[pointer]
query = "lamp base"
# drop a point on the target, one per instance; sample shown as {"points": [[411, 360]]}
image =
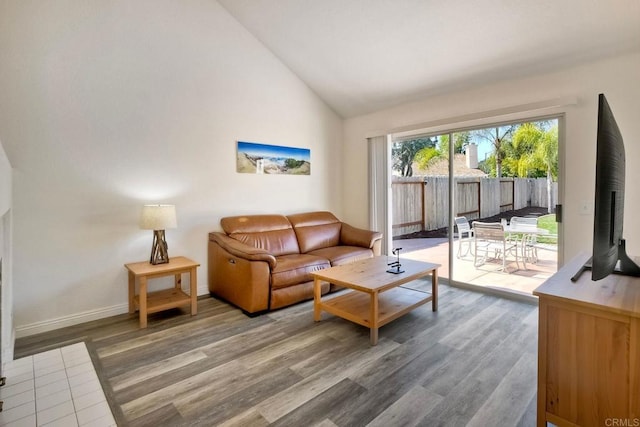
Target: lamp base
{"points": [[159, 253]]}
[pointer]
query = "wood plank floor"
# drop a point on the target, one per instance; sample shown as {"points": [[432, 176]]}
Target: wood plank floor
{"points": [[472, 363]]}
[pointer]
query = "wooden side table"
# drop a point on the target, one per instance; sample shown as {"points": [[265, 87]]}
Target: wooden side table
{"points": [[151, 302]]}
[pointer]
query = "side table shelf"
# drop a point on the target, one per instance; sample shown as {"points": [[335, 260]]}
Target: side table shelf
{"points": [[151, 302], [164, 300]]}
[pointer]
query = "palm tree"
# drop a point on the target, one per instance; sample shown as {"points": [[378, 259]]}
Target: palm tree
{"points": [[497, 137], [428, 155], [522, 160], [535, 148], [547, 152]]}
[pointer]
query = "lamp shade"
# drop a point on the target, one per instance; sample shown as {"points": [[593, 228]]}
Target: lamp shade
{"points": [[158, 217]]}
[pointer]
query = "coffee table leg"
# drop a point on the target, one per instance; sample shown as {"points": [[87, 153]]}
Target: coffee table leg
{"points": [[316, 299], [373, 316], [434, 289]]}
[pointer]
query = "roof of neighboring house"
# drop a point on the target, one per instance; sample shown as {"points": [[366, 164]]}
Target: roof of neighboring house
{"points": [[440, 167]]}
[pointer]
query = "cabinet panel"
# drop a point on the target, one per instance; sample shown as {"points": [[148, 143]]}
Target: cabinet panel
{"points": [[588, 366]]}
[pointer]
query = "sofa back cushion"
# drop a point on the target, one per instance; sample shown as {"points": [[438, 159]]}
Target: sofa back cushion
{"points": [[316, 230], [272, 233]]}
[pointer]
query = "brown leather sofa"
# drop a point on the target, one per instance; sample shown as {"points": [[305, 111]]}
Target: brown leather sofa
{"points": [[264, 262]]}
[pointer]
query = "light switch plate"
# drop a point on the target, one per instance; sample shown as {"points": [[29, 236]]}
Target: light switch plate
{"points": [[586, 207]]}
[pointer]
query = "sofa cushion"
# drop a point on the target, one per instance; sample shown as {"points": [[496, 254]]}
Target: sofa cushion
{"points": [[316, 230], [339, 255], [272, 233], [295, 269]]}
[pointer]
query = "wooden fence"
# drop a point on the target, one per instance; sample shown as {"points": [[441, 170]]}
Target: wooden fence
{"points": [[422, 203]]}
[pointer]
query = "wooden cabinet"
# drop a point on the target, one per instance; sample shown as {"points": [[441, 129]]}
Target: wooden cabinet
{"points": [[589, 349]]}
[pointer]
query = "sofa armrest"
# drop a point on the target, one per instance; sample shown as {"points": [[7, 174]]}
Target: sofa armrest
{"points": [[237, 280], [352, 236], [242, 250]]}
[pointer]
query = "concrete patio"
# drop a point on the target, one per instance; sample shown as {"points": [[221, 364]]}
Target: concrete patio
{"points": [[521, 280]]}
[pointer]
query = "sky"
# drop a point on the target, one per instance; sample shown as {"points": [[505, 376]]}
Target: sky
{"points": [[484, 148]]}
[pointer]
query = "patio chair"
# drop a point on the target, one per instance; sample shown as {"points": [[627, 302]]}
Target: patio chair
{"points": [[490, 236], [465, 234], [529, 241]]}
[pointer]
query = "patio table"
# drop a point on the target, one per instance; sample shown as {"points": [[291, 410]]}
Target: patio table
{"points": [[527, 232]]}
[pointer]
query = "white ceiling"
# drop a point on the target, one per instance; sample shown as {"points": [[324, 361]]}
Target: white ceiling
{"points": [[365, 55]]}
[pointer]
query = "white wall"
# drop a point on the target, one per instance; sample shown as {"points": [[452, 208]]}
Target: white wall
{"points": [[6, 252], [109, 105], [616, 77]]}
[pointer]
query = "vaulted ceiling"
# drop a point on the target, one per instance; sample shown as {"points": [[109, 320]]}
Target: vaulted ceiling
{"points": [[361, 56]]}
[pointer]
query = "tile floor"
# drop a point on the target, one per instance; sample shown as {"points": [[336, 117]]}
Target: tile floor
{"points": [[56, 388]]}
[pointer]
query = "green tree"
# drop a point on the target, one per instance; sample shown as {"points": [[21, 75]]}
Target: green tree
{"points": [[293, 163], [441, 150], [403, 153], [535, 153], [520, 158], [460, 141], [498, 137], [427, 155], [547, 152], [488, 165]]}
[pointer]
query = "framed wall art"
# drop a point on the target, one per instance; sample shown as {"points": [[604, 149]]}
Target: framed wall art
{"points": [[272, 159]]}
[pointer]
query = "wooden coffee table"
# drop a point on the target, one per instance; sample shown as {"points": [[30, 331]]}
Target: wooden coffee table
{"points": [[376, 297]]}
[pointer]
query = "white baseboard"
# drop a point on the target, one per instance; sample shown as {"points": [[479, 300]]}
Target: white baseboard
{"points": [[75, 319], [203, 290]]}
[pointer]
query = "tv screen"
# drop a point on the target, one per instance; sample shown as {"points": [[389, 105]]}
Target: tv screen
{"points": [[609, 252]]}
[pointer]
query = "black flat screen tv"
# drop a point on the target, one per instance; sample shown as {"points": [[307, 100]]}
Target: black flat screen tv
{"points": [[609, 251]]}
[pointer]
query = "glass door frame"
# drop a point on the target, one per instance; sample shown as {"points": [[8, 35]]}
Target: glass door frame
{"points": [[489, 123]]}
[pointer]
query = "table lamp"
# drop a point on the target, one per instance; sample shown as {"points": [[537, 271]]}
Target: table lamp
{"points": [[158, 218]]}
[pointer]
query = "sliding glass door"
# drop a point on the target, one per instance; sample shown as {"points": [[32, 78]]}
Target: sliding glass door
{"points": [[447, 184], [420, 199]]}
